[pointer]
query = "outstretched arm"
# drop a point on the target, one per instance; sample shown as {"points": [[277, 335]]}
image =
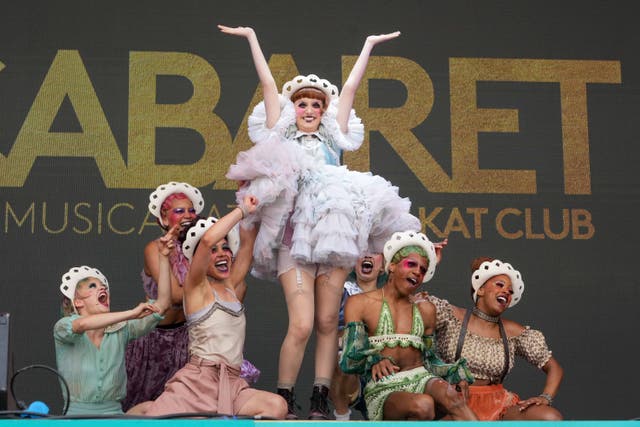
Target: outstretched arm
{"points": [[269, 88], [243, 259], [102, 320], [202, 256], [152, 268], [345, 102]]}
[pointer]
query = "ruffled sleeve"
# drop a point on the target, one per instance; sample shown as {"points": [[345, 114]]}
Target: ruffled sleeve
{"points": [[532, 346], [257, 122], [444, 313], [357, 355], [350, 141]]}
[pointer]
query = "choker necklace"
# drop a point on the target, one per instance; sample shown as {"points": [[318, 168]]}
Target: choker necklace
{"points": [[485, 316]]}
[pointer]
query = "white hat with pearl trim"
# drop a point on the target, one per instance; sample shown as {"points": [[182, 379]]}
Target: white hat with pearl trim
{"points": [[71, 278], [165, 190], [402, 239], [488, 269], [299, 82], [195, 233]]}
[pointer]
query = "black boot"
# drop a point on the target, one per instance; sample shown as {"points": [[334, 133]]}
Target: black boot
{"points": [[319, 408], [291, 402]]}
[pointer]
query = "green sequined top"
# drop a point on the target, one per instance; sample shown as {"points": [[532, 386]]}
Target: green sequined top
{"points": [[361, 351]]}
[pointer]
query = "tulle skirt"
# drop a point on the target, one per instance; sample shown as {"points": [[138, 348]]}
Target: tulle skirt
{"points": [[337, 215]]}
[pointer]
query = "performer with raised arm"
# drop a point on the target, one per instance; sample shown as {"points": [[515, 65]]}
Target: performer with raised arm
{"points": [[210, 382], [317, 217], [91, 340], [154, 358]]}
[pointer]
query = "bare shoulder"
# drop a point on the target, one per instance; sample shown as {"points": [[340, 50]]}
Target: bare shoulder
{"points": [[426, 308], [429, 317], [512, 328], [360, 305], [151, 253], [359, 300], [151, 247]]}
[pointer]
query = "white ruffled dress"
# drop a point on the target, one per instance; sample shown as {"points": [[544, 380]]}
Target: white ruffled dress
{"points": [[335, 215]]}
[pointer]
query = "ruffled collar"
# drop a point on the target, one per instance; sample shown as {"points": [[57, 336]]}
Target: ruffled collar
{"points": [[317, 134]]}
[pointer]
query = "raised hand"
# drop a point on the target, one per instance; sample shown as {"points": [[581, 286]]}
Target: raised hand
{"points": [[348, 93], [167, 242], [268, 83], [379, 38], [249, 204], [439, 246], [237, 31]]}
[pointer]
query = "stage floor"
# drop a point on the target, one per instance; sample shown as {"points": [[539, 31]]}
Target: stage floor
{"points": [[174, 422]]}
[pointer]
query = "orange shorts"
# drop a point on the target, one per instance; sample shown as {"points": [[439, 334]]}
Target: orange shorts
{"points": [[490, 402]]}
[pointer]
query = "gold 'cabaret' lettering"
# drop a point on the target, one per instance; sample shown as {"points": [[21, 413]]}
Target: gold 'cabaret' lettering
{"points": [[467, 120], [67, 78]]}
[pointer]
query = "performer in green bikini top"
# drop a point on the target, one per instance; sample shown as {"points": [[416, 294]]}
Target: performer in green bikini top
{"points": [[398, 358]]}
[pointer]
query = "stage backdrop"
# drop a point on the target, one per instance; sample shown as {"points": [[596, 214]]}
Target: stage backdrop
{"points": [[512, 126]]}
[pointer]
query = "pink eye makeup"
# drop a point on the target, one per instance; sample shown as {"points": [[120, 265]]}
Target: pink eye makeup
{"points": [[180, 211], [411, 264]]}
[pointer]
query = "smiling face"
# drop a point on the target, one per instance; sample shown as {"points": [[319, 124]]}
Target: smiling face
{"points": [[91, 297], [408, 273], [221, 261], [177, 209], [495, 295], [308, 113]]}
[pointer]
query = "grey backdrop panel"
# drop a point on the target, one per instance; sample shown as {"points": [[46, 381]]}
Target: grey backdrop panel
{"points": [[581, 288]]}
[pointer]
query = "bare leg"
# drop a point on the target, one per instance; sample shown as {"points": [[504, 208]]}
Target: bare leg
{"points": [[140, 408], [402, 405], [544, 413], [265, 404], [298, 291], [450, 400], [329, 288], [343, 387]]}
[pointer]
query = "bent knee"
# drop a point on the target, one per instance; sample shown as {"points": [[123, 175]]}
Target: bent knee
{"points": [[422, 407], [551, 414], [277, 407]]}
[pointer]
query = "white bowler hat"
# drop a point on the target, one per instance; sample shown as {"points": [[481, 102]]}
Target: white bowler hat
{"points": [[195, 233], [402, 239]]}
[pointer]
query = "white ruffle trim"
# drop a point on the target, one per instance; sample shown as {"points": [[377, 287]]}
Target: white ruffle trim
{"points": [[258, 131], [350, 141], [337, 214]]}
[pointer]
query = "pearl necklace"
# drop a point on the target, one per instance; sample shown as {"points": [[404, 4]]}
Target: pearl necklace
{"points": [[485, 316]]}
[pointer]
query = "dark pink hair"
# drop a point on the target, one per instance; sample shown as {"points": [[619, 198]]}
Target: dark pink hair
{"points": [[166, 205]]}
